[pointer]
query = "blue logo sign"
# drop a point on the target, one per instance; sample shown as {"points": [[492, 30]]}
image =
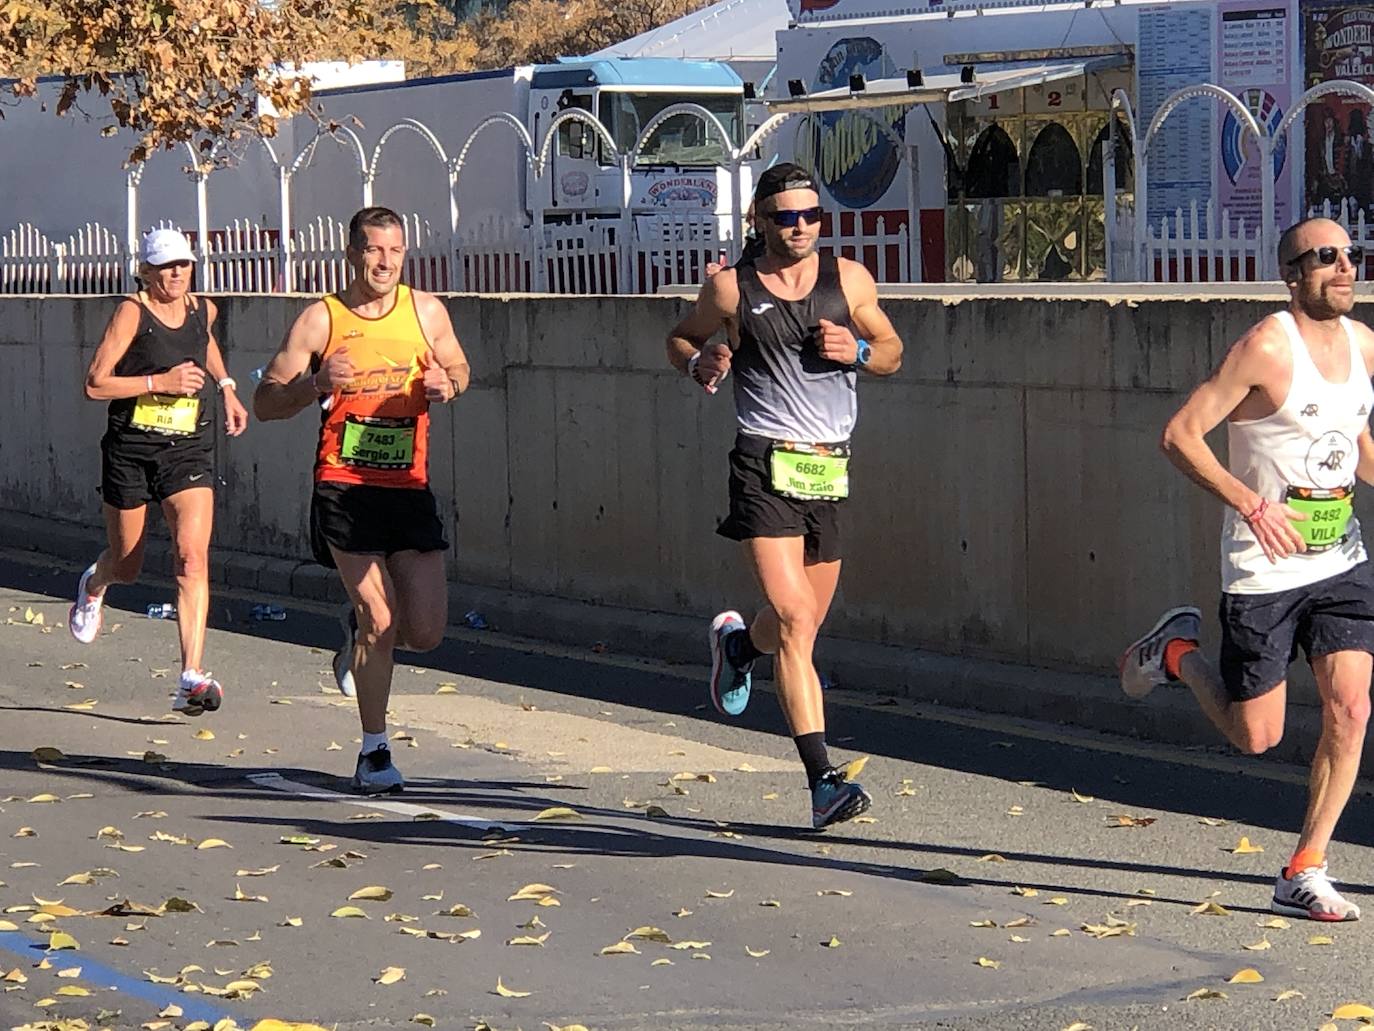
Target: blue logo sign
{"points": [[852, 156], [1268, 114]]}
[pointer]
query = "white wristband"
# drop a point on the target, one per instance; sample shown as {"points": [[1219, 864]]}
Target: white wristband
{"points": [[149, 380], [228, 382], [692, 365]]}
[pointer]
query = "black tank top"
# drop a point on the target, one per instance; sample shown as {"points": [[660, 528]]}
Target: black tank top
{"points": [[784, 389], [156, 348]]}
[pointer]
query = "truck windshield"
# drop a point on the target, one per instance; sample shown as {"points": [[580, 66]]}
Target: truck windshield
{"points": [[681, 140]]}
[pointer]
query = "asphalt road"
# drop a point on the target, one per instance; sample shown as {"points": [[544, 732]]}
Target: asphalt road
{"points": [[993, 885]]}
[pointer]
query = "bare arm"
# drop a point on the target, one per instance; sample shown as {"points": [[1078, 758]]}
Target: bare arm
{"points": [[287, 386], [690, 339], [443, 344], [1365, 469], [885, 347], [101, 382], [1259, 357]]}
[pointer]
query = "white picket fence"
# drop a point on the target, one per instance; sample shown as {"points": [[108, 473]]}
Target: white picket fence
{"points": [[581, 256], [1193, 246]]}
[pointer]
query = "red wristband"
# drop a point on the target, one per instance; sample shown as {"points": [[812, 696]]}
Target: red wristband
{"points": [[1259, 510]]}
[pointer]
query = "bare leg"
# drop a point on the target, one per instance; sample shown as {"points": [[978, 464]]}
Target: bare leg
{"points": [[1253, 726], [421, 598], [1343, 686], [370, 586], [798, 600], [190, 515], [122, 559]]}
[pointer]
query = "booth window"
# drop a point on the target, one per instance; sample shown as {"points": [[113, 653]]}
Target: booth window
{"points": [[1054, 167], [993, 169], [1125, 167]]}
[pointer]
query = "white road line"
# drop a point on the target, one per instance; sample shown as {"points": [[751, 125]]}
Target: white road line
{"points": [[277, 782]]}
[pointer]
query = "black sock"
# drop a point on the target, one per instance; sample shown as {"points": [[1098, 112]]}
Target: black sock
{"points": [[811, 748], [739, 648]]}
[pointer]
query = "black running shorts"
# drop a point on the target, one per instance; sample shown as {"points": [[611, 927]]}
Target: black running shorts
{"points": [[365, 520], [756, 511], [135, 472], [1261, 633]]}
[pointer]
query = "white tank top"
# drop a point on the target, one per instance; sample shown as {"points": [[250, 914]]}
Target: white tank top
{"points": [[1305, 455]]}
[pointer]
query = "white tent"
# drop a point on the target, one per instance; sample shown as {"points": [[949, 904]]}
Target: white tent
{"points": [[740, 33]]}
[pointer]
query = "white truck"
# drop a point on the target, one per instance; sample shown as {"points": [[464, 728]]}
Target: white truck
{"points": [[681, 168]]}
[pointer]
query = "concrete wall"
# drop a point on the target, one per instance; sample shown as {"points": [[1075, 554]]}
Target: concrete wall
{"points": [[1012, 510]]}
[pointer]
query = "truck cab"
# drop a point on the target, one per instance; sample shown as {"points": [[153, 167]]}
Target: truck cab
{"points": [[682, 168]]}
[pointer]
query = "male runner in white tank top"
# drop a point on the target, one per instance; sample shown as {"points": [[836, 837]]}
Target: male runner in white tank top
{"points": [[1295, 395]]}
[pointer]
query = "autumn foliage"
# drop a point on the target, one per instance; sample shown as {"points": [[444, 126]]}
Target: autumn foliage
{"points": [[194, 70]]}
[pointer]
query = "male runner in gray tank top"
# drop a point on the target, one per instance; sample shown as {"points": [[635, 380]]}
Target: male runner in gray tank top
{"points": [[799, 327], [1295, 395]]}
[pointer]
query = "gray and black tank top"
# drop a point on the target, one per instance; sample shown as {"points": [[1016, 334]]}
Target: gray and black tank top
{"points": [[157, 347], [784, 389]]}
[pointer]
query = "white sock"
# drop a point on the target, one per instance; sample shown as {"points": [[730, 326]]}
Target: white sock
{"points": [[372, 742]]}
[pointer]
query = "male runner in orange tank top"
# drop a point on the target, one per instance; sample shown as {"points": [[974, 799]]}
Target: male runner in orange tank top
{"points": [[374, 357]]}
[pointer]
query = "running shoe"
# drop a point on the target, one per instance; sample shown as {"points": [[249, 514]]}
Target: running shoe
{"points": [[834, 799], [343, 658], [1142, 664], [729, 685], [1309, 894], [376, 775], [87, 613], [197, 693]]}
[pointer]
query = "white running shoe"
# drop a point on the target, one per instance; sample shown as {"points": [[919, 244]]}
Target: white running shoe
{"points": [[1309, 894], [1142, 664], [197, 693], [376, 775], [87, 614], [343, 658]]}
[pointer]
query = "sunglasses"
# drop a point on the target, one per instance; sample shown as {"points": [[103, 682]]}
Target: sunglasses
{"points": [[1329, 254], [787, 218]]}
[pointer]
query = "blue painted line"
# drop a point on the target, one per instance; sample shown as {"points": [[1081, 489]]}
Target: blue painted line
{"points": [[98, 975]]}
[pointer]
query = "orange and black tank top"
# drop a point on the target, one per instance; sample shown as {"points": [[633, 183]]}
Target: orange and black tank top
{"points": [[375, 430]]}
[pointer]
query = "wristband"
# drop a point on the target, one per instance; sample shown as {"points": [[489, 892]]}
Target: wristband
{"points": [[228, 382], [692, 365], [1259, 511], [149, 380], [863, 351]]}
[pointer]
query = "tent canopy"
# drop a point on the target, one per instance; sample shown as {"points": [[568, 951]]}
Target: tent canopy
{"points": [[732, 30]]}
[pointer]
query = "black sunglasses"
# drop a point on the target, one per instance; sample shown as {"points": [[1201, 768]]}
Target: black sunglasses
{"points": [[1328, 255], [789, 217]]}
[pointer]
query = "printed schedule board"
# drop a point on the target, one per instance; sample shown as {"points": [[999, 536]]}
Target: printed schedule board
{"points": [[1254, 47], [1176, 50]]}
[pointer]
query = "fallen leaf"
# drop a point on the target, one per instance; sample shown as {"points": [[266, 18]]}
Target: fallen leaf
{"points": [[239, 896], [390, 975], [1352, 1011], [1291, 993], [1058, 900], [349, 911], [204, 734], [621, 948], [213, 843], [1204, 993], [1259, 946], [1248, 975], [720, 894], [258, 873], [1126, 820], [372, 893], [1244, 848], [528, 939], [558, 812], [1209, 908], [992, 964], [854, 767], [1277, 923], [833, 943], [40, 799], [1085, 799], [1028, 893], [72, 990], [661, 963], [835, 891], [422, 1018], [992, 857], [533, 893], [1321, 939], [62, 940], [651, 934], [982, 923], [508, 993], [82, 706]]}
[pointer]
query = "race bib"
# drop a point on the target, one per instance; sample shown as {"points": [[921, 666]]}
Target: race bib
{"points": [[376, 443], [1328, 515], [810, 472], [169, 414]]}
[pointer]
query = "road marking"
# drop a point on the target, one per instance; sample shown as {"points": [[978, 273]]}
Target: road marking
{"points": [[93, 973], [276, 782]]}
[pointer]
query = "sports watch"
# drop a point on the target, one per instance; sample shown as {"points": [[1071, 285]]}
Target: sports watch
{"points": [[864, 351]]}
